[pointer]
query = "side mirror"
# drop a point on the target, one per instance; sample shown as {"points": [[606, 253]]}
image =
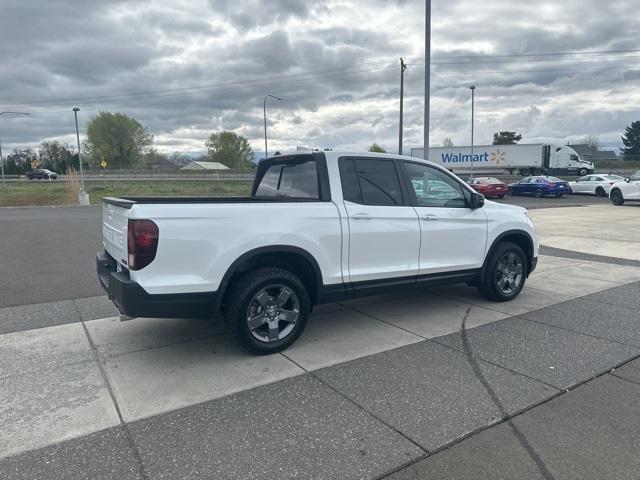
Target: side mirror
{"points": [[477, 200]]}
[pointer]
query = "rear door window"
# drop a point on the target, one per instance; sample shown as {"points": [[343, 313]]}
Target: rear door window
{"points": [[370, 181]]}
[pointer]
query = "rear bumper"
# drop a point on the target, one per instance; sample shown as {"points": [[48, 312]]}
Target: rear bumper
{"points": [[132, 300]]}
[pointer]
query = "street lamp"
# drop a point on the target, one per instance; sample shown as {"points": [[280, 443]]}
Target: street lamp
{"points": [[264, 110], [1, 159], [83, 198], [427, 76], [473, 90]]}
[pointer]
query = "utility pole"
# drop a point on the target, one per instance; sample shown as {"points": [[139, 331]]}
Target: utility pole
{"points": [[403, 67], [473, 90], [427, 75], [83, 198], [2, 165]]}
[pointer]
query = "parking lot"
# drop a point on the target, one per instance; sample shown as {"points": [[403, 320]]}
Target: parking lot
{"points": [[435, 383]]}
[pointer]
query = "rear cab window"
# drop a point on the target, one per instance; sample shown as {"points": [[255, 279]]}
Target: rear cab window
{"points": [[295, 177]]}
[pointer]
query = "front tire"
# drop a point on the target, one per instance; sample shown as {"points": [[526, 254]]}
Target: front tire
{"points": [[582, 172], [505, 273], [267, 309], [616, 197]]}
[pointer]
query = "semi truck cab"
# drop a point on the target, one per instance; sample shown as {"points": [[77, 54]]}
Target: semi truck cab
{"points": [[564, 159]]}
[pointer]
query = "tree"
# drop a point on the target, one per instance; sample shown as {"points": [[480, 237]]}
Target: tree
{"points": [[592, 142], [377, 148], [116, 138], [447, 142], [506, 138], [230, 149], [21, 161], [631, 141], [157, 161], [55, 156]]}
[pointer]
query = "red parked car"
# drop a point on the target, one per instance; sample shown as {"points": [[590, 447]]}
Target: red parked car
{"points": [[489, 186]]}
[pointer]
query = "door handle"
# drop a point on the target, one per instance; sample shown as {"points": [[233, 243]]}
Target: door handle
{"points": [[429, 218], [361, 216]]}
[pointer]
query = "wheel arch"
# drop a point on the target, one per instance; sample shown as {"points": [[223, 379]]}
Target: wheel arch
{"points": [[294, 259], [520, 238]]}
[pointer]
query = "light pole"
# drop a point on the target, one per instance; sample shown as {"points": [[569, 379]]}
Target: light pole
{"points": [[1, 158], [403, 67], [264, 111], [427, 75], [83, 198], [473, 90]]}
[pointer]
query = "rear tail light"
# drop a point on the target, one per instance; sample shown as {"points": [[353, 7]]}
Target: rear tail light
{"points": [[611, 183], [142, 243], [552, 184]]}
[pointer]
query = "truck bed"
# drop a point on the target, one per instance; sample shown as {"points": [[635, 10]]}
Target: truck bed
{"points": [[128, 202]]}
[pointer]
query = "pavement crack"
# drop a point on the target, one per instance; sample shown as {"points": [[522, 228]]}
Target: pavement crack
{"points": [[623, 378], [576, 331], [125, 425], [373, 415], [522, 439], [387, 323], [353, 402]]}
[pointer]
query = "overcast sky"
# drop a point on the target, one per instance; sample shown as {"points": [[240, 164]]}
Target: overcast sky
{"points": [[186, 68]]}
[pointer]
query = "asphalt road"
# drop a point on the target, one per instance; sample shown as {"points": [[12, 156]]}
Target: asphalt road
{"points": [[48, 253]]}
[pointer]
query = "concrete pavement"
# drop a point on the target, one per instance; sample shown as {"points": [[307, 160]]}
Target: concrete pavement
{"points": [[595, 229], [371, 386]]}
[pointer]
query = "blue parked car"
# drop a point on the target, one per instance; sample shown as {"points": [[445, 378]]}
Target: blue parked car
{"points": [[540, 186]]}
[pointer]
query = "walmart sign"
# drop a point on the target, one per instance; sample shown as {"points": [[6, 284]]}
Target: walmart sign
{"points": [[462, 157]]}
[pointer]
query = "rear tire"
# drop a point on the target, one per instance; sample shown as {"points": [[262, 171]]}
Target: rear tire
{"points": [[539, 193], [267, 309], [500, 196], [558, 195], [616, 197], [600, 192], [505, 273]]}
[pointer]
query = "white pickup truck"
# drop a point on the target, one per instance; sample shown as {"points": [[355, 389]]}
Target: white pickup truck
{"points": [[318, 227]]}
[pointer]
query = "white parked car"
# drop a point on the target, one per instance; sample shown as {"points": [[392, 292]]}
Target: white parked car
{"points": [[596, 184], [318, 227], [628, 190]]}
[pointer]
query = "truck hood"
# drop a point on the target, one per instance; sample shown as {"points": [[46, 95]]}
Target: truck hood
{"points": [[495, 206]]}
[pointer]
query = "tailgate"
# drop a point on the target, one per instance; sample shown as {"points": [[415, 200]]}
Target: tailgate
{"points": [[115, 220]]}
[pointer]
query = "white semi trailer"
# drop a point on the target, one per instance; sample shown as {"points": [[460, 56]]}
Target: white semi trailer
{"points": [[524, 159]]}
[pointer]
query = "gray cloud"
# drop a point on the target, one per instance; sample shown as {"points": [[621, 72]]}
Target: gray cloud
{"points": [[188, 67]]}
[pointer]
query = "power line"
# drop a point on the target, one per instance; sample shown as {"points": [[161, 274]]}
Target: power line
{"points": [[226, 86], [321, 74], [535, 54]]}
